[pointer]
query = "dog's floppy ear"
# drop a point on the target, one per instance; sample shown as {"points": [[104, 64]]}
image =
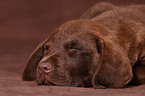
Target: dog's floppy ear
{"points": [[29, 72], [100, 49], [114, 69]]}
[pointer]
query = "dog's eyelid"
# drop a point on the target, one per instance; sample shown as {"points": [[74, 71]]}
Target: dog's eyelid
{"points": [[74, 48], [77, 48], [46, 47], [45, 52]]}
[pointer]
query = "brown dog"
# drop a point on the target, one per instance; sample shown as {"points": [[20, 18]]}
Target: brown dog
{"points": [[105, 48]]}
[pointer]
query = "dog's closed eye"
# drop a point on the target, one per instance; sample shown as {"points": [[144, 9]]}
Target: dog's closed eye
{"points": [[70, 48], [73, 46], [45, 48]]}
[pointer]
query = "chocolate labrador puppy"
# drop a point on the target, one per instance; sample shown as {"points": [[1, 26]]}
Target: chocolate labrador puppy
{"points": [[103, 49]]}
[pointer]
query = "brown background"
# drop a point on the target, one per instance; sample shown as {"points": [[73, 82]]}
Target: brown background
{"points": [[23, 24]]}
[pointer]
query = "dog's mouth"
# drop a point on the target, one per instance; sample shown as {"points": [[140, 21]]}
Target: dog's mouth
{"points": [[44, 80]]}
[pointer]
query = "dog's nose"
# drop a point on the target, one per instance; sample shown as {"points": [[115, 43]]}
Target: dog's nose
{"points": [[45, 67]]}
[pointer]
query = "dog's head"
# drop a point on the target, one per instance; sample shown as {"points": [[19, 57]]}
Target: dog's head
{"points": [[70, 56]]}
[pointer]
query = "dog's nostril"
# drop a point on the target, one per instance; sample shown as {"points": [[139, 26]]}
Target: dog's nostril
{"points": [[45, 67]]}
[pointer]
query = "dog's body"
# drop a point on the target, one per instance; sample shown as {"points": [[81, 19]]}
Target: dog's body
{"points": [[106, 48]]}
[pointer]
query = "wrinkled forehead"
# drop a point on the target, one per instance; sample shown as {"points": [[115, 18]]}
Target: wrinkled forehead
{"points": [[71, 30], [65, 38]]}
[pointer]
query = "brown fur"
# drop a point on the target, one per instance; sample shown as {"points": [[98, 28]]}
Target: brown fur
{"points": [[105, 48]]}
